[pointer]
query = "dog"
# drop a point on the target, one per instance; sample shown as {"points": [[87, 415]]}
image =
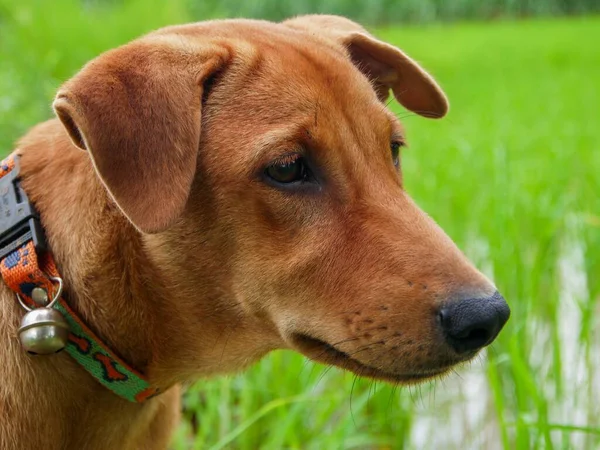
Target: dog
{"points": [[211, 192]]}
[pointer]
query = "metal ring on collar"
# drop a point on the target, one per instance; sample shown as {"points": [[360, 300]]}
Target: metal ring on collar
{"points": [[54, 300]]}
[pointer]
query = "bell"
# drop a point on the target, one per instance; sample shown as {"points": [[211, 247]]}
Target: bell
{"points": [[43, 331]]}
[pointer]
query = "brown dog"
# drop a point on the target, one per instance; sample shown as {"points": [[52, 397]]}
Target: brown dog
{"points": [[239, 192]]}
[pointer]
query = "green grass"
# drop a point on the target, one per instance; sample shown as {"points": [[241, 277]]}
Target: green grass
{"points": [[511, 174], [394, 11]]}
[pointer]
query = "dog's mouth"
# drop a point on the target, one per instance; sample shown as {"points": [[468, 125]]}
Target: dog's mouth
{"points": [[321, 351]]}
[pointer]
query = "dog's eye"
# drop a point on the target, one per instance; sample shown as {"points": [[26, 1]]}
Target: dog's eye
{"points": [[395, 148], [287, 170]]}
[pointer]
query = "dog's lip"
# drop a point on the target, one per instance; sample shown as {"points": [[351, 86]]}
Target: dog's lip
{"points": [[323, 352]]}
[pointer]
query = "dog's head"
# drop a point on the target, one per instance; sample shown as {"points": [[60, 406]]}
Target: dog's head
{"points": [[263, 168]]}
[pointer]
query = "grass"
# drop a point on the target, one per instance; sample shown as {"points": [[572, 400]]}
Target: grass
{"points": [[392, 11], [510, 174]]}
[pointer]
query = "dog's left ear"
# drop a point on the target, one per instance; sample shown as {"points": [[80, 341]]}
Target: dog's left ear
{"points": [[137, 111], [385, 65]]}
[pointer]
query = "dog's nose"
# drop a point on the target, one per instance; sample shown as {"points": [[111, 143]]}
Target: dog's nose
{"points": [[473, 323]]}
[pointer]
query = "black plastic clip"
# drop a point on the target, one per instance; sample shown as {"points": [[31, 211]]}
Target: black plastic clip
{"points": [[19, 221]]}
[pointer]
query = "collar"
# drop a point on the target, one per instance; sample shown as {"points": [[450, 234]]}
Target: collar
{"points": [[28, 269]]}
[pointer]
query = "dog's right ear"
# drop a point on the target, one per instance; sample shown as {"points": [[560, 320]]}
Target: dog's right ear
{"points": [[137, 110], [386, 66]]}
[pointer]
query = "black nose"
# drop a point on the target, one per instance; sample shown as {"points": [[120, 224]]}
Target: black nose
{"points": [[473, 323]]}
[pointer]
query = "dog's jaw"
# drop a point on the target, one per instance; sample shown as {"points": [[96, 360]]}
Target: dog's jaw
{"points": [[325, 353]]}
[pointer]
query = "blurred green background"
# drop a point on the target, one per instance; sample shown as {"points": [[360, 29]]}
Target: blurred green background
{"points": [[510, 174]]}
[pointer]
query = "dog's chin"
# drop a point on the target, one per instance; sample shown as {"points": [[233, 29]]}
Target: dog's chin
{"points": [[322, 352]]}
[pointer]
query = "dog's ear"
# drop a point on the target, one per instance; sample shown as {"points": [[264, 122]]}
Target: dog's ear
{"points": [[386, 66], [136, 110]]}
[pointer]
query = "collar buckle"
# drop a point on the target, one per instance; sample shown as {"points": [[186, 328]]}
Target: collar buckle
{"points": [[19, 221]]}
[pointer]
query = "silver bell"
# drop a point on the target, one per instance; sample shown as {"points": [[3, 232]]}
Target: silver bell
{"points": [[43, 331]]}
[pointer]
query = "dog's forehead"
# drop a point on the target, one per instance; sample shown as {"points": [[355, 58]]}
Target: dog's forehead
{"points": [[293, 82], [326, 91], [298, 73], [267, 51]]}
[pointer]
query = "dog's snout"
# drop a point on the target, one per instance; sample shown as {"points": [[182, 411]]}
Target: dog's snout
{"points": [[473, 323]]}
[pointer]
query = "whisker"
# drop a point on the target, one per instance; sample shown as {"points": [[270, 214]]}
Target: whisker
{"points": [[351, 393], [405, 115], [229, 334], [392, 395], [323, 373]]}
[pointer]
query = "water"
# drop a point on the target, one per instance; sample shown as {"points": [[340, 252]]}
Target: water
{"points": [[459, 413]]}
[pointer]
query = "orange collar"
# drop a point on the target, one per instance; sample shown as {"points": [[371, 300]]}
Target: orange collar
{"points": [[27, 268]]}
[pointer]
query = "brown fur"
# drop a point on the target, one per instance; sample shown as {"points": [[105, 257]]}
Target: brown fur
{"points": [[175, 251]]}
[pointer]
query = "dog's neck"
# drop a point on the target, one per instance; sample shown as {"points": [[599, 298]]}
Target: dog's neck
{"points": [[99, 254], [130, 288]]}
